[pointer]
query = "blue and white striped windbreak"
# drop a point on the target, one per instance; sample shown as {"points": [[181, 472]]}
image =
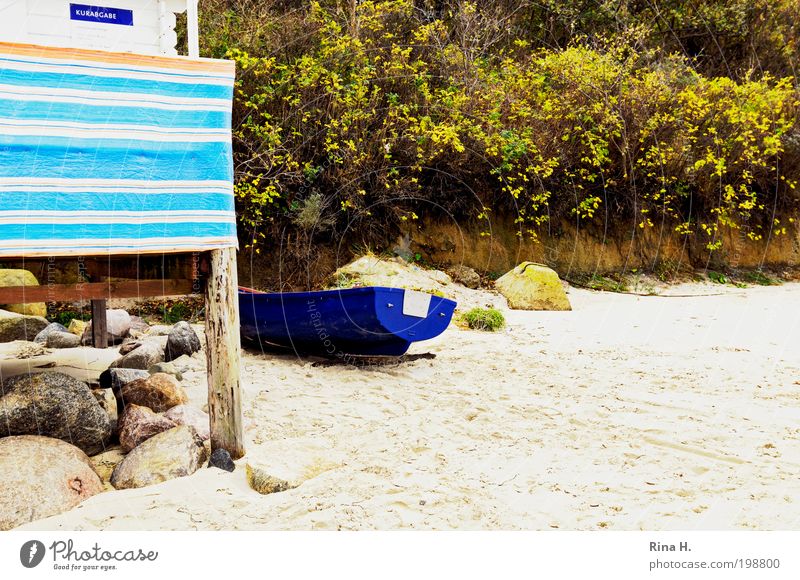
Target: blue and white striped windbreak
{"points": [[104, 153]]}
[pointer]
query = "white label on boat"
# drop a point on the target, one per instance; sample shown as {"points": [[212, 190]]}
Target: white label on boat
{"points": [[416, 303]]}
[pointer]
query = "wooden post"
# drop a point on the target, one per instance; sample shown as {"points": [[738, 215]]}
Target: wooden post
{"points": [[223, 353], [192, 33], [99, 324]]}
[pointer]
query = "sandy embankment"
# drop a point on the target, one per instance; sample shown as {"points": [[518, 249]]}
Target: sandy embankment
{"points": [[627, 413]]}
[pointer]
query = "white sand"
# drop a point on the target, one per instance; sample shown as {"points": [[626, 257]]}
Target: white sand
{"points": [[628, 413]]}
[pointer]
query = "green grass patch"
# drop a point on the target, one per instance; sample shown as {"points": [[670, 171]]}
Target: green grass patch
{"points": [[760, 278], [489, 319], [611, 283]]}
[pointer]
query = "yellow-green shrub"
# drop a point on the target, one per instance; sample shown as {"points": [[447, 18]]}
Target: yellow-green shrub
{"points": [[391, 118]]}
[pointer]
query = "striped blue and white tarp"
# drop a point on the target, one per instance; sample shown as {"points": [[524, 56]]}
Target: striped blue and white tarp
{"points": [[104, 153]]}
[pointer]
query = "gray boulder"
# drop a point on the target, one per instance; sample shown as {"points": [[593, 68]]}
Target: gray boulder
{"points": [[129, 345], [19, 327], [58, 339], [141, 358], [188, 415], [177, 452], [167, 368], [41, 338], [118, 325], [159, 330], [182, 340], [42, 477], [137, 424], [54, 405], [139, 327], [115, 379]]}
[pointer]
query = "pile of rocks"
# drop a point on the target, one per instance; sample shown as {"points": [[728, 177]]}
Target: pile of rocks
{"points": [[138, 425], [158, 345]]}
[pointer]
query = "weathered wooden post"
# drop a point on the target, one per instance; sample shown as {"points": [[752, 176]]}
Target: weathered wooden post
{"points": [[99, 324], [223, 353]]}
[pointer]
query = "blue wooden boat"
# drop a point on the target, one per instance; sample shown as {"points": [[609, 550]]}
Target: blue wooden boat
{"points": [[370, 321]]}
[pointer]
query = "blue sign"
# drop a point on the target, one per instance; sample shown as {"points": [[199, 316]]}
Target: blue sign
{"points": [[101, 14]]}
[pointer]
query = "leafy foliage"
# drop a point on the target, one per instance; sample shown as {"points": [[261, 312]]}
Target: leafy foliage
{"points": [[365, 116]]}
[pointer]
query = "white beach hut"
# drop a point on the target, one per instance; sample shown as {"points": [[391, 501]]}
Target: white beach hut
{"points": [[115, 152]]}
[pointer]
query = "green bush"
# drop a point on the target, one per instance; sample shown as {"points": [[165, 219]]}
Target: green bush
{"points": [[489, 319], [367, 116]]}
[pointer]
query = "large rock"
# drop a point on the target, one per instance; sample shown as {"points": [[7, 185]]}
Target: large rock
{"points": [[159, 330], [139, 327], [137, 424], [142, 357], [177, 452], [465, 276], [42, 477], [188, 415], [54, 405], [106, 399], [129, 345], [15, 326], [41, 338], [77, 326], [21, 278], [532, 286], [374, 271], [159, 392], [168, 368], [62, 340], [182, 339], [118, 325], [115, 379]]}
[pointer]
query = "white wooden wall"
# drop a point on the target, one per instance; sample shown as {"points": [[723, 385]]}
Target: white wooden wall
{"points": [[47, 22]]}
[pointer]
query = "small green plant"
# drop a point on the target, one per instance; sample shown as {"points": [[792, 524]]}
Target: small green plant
{"points": [[489, 319], [310, 214], [176, 313], [758, 277], [343, 281], [667, 270], [717, 277]]}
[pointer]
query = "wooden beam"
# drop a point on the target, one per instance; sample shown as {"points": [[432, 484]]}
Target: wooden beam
{"points": [[95, 291], [60, 270], [99, 324], [223, 352]]}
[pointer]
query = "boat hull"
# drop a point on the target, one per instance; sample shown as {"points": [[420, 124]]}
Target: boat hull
{"points": [[372, 321]]}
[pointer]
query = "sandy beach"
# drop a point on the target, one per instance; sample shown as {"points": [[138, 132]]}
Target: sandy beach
{"points": [[628, 413]]}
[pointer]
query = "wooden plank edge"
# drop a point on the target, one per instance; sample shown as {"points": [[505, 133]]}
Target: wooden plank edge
{"points": [[97, 291]]}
